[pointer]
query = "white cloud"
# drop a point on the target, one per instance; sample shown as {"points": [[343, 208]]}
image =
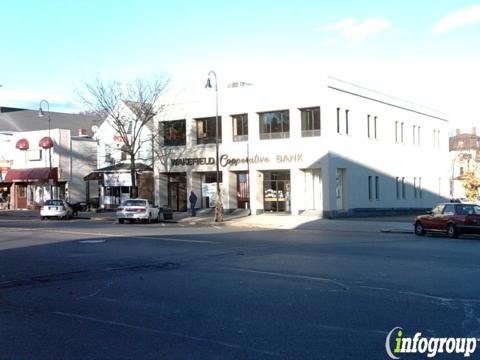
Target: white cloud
{"points": [[355, 31], [467, 16]]}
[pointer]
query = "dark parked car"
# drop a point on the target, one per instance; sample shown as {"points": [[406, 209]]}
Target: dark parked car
{"points": [[450, 218], [79, 206]]}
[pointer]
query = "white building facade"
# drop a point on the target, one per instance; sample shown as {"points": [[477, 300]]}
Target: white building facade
{"points": [[113, 173], [38, 173], [329, 147]]}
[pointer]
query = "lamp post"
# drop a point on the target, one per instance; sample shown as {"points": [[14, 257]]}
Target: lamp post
{"points": [[42, 114], [218, 199]]}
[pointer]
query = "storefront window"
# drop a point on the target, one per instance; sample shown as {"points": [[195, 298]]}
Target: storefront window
{"points": [[206, 130], [275, 125], [276, 187]]}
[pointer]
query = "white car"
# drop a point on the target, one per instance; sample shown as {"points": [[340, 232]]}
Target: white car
{"points": [[56, 208], [137, 209]]}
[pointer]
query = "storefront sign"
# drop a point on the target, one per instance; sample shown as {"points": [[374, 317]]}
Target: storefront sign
{"points": [[226, 160], [193, 161], [117, 179]]}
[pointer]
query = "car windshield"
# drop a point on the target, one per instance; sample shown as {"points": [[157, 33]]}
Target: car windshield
{"points": [[54, 202], [134, 203]]}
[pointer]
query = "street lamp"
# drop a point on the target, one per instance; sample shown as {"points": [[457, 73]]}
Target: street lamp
{"points": [[218, 200], [42, 114]]}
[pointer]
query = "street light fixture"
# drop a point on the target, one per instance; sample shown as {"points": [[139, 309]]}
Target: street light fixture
{"points": [[42, 114], [218, 199]]}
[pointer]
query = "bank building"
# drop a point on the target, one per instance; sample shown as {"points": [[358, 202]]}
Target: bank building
{"points": [[328, 147]]}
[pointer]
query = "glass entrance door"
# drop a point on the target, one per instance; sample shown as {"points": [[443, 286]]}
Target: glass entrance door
{"points": [[276, 191], [177, 192]]}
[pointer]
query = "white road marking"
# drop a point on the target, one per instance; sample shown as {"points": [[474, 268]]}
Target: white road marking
{"points": [[164, 332], [96, 292], [290, 276], [99, 234]]}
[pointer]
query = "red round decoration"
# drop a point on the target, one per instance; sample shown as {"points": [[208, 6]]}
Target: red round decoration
{"points": [[46, 142], [22, 144]]}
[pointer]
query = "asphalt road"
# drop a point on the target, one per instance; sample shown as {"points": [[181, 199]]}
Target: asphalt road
{"points": [[85, 289]]}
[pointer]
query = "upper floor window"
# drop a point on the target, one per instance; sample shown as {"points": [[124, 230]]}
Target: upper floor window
{"points": [[123, 155], [173, 132], [371, 126], [310, 121], [240, 127], [399, 131], [275, 125], [206, 130], [346, 129]]}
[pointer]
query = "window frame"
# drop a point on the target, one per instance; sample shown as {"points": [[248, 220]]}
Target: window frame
{"points": [[308, 125], [244, 127], [207, 123], [283, 122], [174, 142]]}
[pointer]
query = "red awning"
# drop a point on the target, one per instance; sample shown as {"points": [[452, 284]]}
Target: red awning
{"points": [[22, 144], [31, 175], [46, 142]]}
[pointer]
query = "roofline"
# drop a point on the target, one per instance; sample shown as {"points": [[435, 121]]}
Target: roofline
{"points": [[387, 103]]}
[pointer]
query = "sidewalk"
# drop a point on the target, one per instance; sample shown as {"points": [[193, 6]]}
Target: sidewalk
{"points": [[241, 218], [375, 224], [389, 224]]}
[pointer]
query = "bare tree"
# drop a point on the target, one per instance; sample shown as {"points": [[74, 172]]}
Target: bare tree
{"points": [[141, 98]]}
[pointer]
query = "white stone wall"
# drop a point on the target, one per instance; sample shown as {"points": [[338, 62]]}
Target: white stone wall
{"points": [[359, 156]]}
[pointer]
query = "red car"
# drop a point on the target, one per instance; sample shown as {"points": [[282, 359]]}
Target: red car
{"points": [[450, 218]]}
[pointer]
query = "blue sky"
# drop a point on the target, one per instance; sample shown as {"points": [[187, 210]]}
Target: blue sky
{"points": [[425, 51]]}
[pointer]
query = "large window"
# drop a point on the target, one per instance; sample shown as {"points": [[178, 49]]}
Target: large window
{"points": [[206, 130], [173, 133], [275, 125], [310, 121], [240, 127]]}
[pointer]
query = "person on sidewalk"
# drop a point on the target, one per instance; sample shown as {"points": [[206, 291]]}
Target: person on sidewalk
{"points": [[193, 201]]}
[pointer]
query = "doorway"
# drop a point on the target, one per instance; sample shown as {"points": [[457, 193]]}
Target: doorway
{"points": [[21, 196], [313, 189], [276, 191], [340, 188], [243, 190], [177, 192]]}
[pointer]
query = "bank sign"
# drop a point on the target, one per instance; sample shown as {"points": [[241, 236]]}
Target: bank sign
{"points": [[226, 160]]}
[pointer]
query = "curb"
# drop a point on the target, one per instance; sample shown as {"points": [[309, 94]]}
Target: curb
{"points": [[396, 231]]}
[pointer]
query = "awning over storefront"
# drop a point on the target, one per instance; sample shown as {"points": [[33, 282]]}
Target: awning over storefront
{"points": [[31, 175], [117, 168], [22, 144]]}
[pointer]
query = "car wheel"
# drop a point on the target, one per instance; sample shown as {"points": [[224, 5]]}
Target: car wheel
{"points": [[451, 231], [419, 230], [120, 221], [42, 218]]}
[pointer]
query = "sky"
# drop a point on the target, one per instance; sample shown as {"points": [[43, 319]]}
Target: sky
{"points": [[427, 52]]}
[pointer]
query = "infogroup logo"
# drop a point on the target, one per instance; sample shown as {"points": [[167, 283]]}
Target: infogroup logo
{"points": [[396, 344]]}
